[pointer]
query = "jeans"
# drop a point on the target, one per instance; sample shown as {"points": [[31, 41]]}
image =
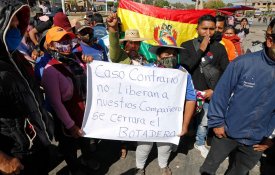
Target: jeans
{"points": [[144, 148], [202, 125], [242, 158]]}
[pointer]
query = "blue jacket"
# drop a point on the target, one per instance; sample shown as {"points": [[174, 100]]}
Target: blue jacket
{"points": [[243, 101]]}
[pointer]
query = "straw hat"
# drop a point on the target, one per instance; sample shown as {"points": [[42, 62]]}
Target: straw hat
{"points": [[166, 41], [132, 35]]}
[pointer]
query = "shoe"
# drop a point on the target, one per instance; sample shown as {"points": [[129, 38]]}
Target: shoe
{"points": [[91, 164], [166, 171], [204, 151], [140, 172]]}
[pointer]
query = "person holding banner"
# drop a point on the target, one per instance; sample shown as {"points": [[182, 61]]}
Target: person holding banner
{"points": [[64, 81], [167, 54], [131, 44], [167, 57]]}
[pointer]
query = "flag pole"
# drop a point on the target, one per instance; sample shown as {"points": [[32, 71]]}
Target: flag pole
{"points": [[63, 5], [106, 7]]}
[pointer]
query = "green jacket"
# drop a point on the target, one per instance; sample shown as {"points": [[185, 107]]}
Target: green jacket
{"points": [[117, 54]]}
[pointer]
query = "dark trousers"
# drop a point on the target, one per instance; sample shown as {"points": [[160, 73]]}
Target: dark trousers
{"points": [[242, 158], [68, 146], [36, 163]]}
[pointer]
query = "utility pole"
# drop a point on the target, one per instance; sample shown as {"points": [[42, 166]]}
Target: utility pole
{"points": [[199, 4]]}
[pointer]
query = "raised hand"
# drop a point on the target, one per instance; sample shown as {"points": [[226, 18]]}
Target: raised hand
{"points": [[112, 22]]}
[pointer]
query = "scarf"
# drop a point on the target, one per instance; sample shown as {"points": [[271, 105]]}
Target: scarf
{"points": [[237, 43], [233, 38], [79, 76]]}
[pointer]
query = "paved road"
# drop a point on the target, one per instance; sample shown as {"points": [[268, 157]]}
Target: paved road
{"points": [[186, 160], [257, 32]]}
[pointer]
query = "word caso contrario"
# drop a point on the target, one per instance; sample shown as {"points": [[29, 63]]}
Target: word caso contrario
{"points": [[135, 74]]}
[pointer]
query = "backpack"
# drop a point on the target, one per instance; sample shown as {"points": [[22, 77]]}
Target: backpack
{"points": [[210, 72]]}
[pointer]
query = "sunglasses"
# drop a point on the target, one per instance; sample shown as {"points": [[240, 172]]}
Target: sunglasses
{"points": [[63, 46]]}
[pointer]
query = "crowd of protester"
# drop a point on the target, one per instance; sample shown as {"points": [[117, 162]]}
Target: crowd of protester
{"points": [[229, 94]]}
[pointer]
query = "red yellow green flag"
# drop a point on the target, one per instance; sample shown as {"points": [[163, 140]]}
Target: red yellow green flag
{"points": [[154, 22]]}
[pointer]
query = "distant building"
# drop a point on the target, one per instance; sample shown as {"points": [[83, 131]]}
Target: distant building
{"points": [[264, 5], [242, 2], [261, 5]]}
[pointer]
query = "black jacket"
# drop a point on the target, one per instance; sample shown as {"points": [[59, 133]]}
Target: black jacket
{"points": [[20, 98], [190, 59]]}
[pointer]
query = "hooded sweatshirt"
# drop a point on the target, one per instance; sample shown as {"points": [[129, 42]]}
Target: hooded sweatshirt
{"points": [[24, 124], [237, 43]]}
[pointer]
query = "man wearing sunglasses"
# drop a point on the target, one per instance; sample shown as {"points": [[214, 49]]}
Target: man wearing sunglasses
{"points": [[241, 111]]}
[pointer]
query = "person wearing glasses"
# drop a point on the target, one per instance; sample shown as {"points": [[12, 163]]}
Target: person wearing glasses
{"points": [[241, 111], [200, 53]]}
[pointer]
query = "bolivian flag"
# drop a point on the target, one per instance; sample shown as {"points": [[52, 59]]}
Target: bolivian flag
{"points": [[154, 22]]}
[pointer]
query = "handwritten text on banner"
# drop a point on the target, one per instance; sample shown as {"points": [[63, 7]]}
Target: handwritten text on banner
{"points": [[135, 103]]}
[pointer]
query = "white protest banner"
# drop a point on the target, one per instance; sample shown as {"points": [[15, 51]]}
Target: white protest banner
{"points": [[134, 103]]}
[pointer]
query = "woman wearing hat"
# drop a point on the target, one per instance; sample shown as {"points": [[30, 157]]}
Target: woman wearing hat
{"points": [[131, 44], [64, 81], [167, 54]]}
